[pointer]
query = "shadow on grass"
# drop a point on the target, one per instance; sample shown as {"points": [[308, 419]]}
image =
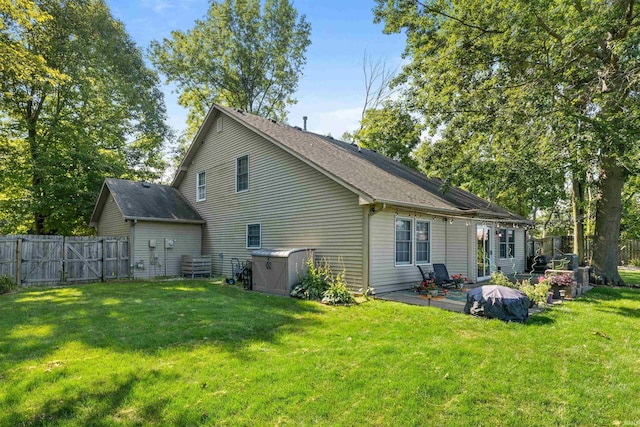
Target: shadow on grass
{"points": [[539, 319], [144, 316], [97, 406]]}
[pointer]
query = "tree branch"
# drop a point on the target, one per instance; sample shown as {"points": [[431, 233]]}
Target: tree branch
{"points": [[458, 20]]}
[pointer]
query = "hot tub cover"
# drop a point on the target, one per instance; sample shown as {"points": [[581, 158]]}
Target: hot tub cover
{"points": [[498, 302]]}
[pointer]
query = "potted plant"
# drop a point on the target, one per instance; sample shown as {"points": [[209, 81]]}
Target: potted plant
{"points": [[560, 282], [459, 280], [427, 287]]}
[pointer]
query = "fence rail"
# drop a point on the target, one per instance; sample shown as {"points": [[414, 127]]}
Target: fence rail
{"points": [[51, 260]]}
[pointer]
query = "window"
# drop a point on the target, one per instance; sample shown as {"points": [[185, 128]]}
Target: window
{"points": [[242, 174], [254, 236], [403, 241], [507, 243], [201, 186], [219, 125], [423, 242]]}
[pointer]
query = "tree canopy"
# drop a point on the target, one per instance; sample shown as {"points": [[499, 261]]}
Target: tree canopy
{"points": [[86, 108], [239, 56], [505, 80], [391, 131]]}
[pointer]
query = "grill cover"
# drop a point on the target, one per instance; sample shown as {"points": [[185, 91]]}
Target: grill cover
{"points": [[498, 302]]}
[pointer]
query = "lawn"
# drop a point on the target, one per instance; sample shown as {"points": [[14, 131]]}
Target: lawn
{"points": [[630, 276], [200, 353]]}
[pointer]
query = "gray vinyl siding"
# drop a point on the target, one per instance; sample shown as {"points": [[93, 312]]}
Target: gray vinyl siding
{"points": [[385, 275], [458, 247], [296, 205], [515, 264], [187, 238], [111, 221]]}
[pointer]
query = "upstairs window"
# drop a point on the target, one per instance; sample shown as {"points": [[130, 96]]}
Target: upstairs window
{"points": [[219, 125], [507, 243], [201, 186], [242, 174]]}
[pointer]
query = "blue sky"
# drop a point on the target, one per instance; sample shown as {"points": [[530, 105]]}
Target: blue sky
{"points": [[331, 90]]}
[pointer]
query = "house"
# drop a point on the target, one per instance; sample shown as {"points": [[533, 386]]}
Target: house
{"points": [[159, 221], [257, 184]]}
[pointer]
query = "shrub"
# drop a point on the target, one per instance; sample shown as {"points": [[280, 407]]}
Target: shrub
{"points": [[338, 293], [498, 278], [635, 262], [7, 284], [536, 293], [315, 282]]}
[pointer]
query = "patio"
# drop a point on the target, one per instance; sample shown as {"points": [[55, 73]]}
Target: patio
{"points": [[453, 300]]}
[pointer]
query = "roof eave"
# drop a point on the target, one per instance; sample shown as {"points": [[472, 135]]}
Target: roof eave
{"points": [[431, 209], [99, 205], [177, 221]]}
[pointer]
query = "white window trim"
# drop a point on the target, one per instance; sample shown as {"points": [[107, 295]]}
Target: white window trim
{"points": [[395, 242], [415, 243], [235, 177], [246, 236], [198, 199], [507, 243], [219, 124]]}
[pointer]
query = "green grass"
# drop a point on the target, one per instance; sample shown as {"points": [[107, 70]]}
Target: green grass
{"points": [[199, 353], [630, 277]]}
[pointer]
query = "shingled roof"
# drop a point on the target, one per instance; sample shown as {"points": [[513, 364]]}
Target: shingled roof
{"points": [[146, 202], [373, 176]]}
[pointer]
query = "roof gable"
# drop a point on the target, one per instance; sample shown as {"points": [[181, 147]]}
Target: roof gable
{"points": [[147, 202], [373, 176]]}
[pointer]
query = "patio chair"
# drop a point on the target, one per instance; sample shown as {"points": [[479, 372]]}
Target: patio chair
{"points": [[442, 277], [426, 276]]}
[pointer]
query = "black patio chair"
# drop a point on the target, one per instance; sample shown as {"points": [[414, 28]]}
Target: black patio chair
{"points": [[442, 277], [426, 276]]}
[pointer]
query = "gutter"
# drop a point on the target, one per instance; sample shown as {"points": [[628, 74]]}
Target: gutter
{"points": [[179, 221], [458, 213]]}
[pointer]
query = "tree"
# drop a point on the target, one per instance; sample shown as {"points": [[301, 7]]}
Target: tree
{"points": [[392, 131], [18, 18], [102, 117], [238, 56], [540, 68]]}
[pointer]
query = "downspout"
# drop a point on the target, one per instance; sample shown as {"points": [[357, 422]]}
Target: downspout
{"points": [[367, 246], [132, 248]]}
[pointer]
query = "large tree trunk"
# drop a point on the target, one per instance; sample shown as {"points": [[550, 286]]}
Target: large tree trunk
{"points": [[607, 231], [36, 171], [577, 200]]}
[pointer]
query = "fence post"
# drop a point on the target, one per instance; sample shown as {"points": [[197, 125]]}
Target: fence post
{"points": [[19, 261], [103, 260]]}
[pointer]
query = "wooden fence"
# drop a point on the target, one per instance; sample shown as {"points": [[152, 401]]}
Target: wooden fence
{"points": [[553, 245], [51, 260]]}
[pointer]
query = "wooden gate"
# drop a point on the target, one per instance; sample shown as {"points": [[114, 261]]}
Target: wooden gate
{"points": [[50, 260], [115, 255], [41, 260]]}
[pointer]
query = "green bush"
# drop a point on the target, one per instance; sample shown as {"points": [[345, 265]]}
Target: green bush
{"points": [[338, 293], [635, 262], [498, 278], [7, 284], [536, 293], [315, 282]]}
